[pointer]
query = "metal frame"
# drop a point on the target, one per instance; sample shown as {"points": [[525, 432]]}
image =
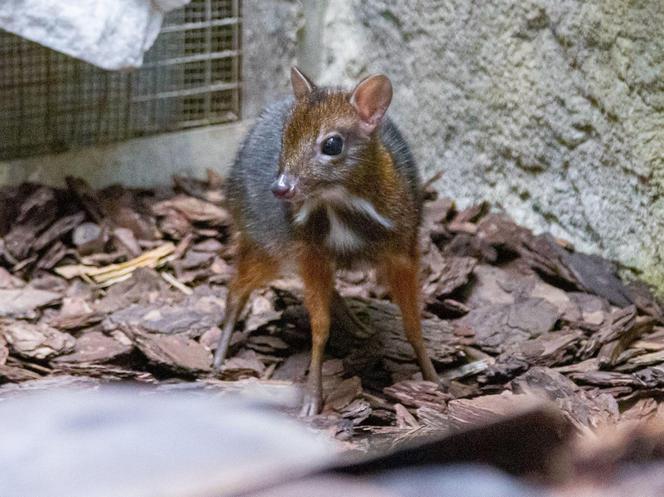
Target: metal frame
{"points": [[50, 102]]}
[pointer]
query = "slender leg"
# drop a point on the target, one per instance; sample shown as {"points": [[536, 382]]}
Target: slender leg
{"points": [[318, 278], [402, 275], [254, 269]]}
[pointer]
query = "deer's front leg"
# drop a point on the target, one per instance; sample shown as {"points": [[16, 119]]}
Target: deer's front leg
{"points": [[317, 275]]}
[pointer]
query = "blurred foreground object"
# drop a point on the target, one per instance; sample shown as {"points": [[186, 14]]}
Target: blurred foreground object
{"points": [[136, 442], [111, 35], [194, 440]]}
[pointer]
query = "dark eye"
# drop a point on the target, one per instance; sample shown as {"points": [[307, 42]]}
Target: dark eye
{"points": [[332, 145]]}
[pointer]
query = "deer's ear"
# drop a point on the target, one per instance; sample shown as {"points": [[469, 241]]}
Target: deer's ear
{"points": [[302, 85], [371, 98]]}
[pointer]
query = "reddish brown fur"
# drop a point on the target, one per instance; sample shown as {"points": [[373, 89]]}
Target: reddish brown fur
{"points": [[387, 192]]}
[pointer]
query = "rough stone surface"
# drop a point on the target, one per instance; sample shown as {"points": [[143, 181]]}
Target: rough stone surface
{"points": [[270, 32], [552, 110]]}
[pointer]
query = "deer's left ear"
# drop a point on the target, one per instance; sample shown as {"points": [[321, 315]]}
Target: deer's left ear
{"points": [[371, 98], [302, 85]]}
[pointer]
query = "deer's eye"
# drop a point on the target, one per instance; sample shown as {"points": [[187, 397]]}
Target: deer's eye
{"points": [[332, 145]]}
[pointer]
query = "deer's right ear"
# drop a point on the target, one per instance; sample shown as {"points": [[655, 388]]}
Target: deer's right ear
{"points": [[302, 85]]}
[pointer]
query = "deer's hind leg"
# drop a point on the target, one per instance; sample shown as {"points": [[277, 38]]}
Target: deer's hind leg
{"points": [[401, 272]]}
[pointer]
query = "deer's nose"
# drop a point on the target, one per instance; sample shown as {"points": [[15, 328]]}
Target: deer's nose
{"points": [[283, 186]]}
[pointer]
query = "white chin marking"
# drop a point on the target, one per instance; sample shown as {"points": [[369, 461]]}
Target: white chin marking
{"points": [[303, 214], [341, 237], [338, 196], [368, 208]]}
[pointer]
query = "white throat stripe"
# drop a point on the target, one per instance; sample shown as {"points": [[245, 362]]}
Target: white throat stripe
{"points": [[340, 197]]}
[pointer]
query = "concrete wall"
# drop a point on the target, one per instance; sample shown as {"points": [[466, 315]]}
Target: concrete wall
{"points": [[552, 110], [141, 162]]}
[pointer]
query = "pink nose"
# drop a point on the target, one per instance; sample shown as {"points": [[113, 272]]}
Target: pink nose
{"points": [[283, 186]]}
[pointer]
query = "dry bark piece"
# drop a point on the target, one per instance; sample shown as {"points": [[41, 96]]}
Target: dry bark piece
{"points": [[514, 283], [433, 419], [641, 410], [593, 309], [124, 208], [583, 409], [87, 197], [4, 350], [209, 245], [495, 327], [176, 352], [612, 352], [343, 394], [174, 224], [437, 211], [404, 419], [36, 212], [36, 341], [193, 316], [242, 365], [267, 344], [490, 286], [463, 413], [193, 259], [383, 320], [651, 342], [502, 233], [642, 296], [144, 286], [8, 280], [546, 257], [55, 253], [596, 275], [24, 302], [448, 275], [471, 214], [58, 229], [104, 372], [294, 368], [76, 312], [15, 374], [579, 367], [356, 411], [124, 239], [550, 349], [94, 347], [261, 313], [413, 393], [89, 238], [211, 191], [604, 378], [642, 361], [619, 323], [113, 273], [195, 210]]}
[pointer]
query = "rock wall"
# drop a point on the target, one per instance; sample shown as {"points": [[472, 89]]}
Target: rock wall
{"points": [[553, 111]]}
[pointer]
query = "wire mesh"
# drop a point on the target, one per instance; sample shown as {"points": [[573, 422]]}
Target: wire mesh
{"points": [[50, 102]]}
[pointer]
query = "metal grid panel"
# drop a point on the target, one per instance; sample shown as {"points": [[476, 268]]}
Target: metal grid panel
{"points": [[50, 102]]}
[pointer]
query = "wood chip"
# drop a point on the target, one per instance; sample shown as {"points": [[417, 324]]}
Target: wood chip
{"points": [[463, 413], [194, 209], [112, 273], [24, 302], [176, 352], [496, 327], [415, 394], [36, 341], [94, 347]]}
